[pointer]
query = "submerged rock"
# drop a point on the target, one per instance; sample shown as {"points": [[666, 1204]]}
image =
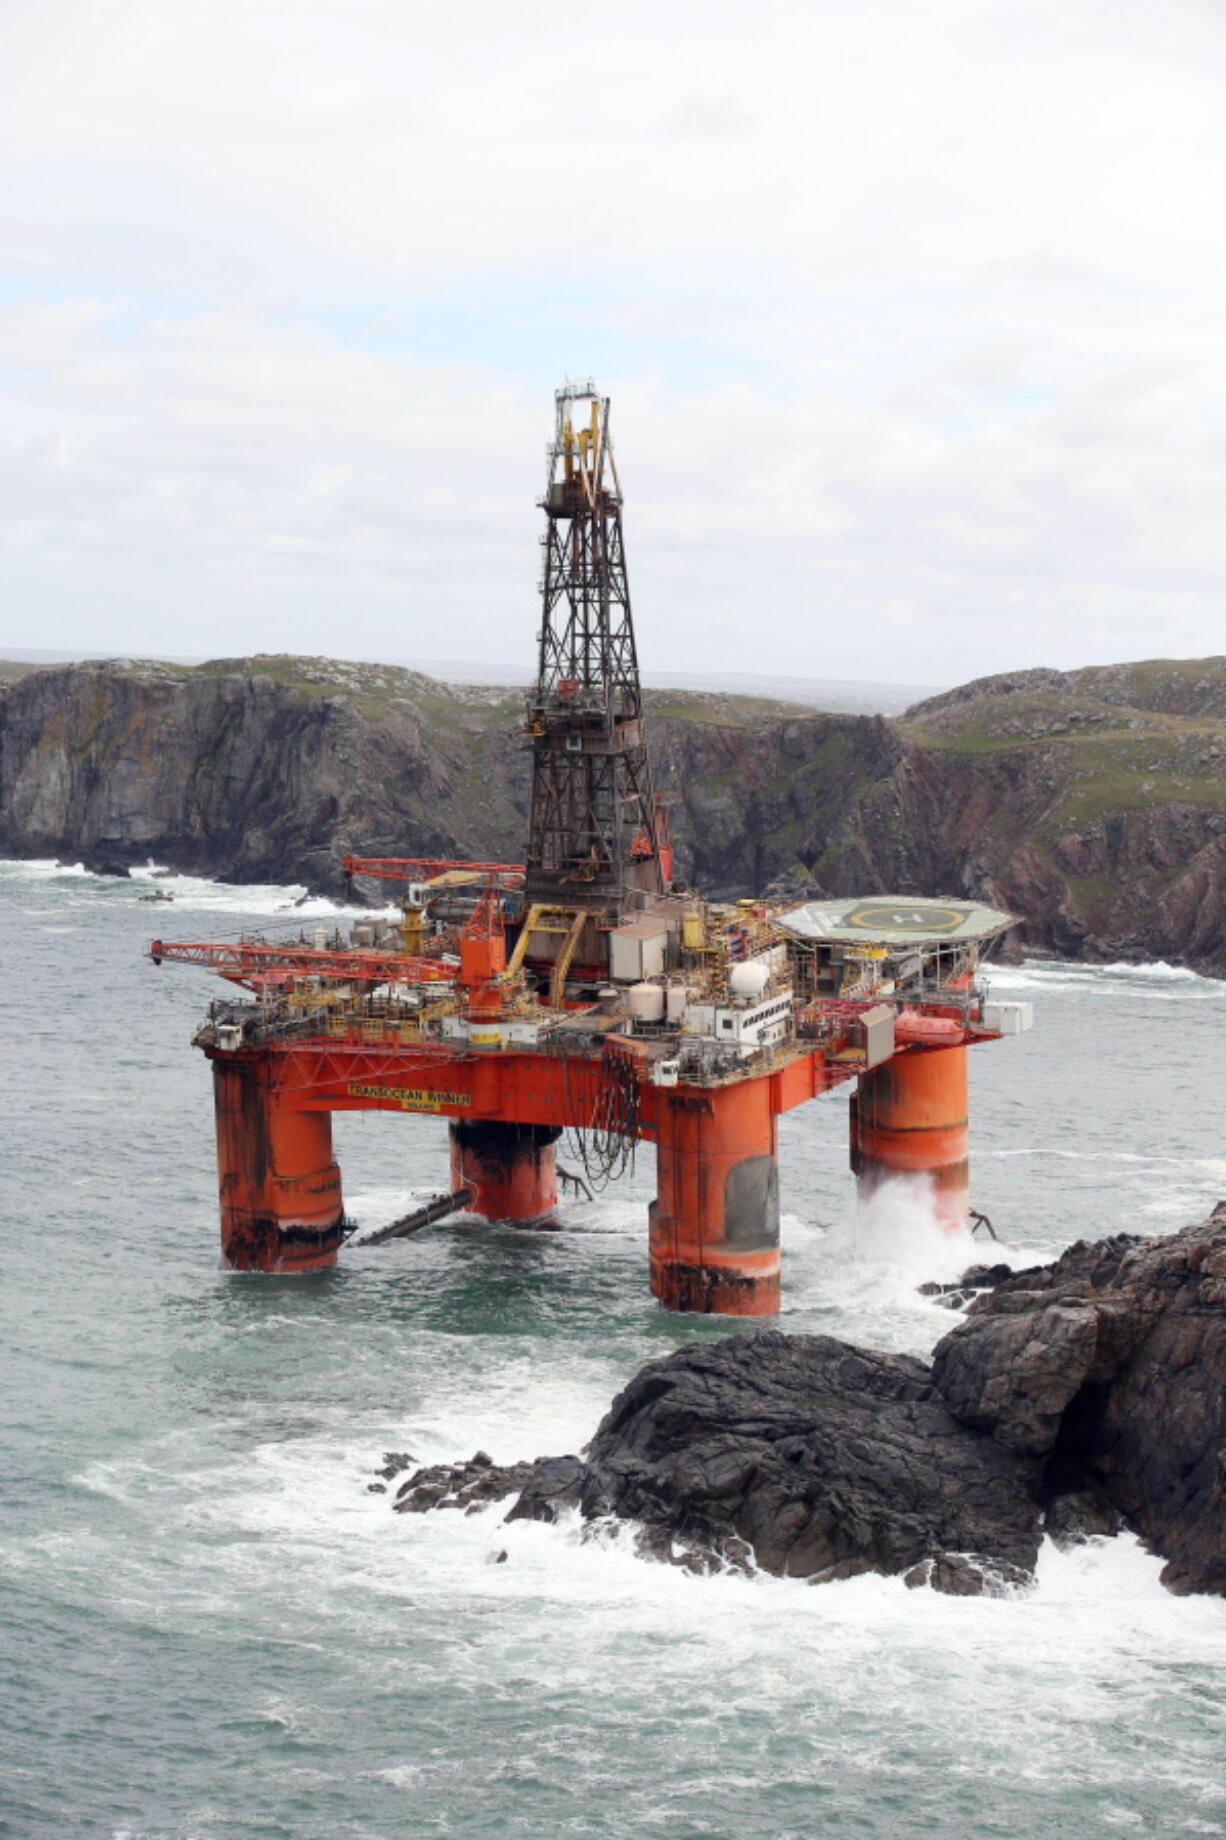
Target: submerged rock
{"points": [[1076, 1399], [956, 1295]]}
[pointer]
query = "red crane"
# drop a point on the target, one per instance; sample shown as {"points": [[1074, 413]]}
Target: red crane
{"points": [[257, 963]]}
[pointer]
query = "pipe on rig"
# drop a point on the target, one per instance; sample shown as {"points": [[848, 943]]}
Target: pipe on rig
{"points": [[714, 1225], [909, 1118], [511, 1170], [425, 1216], [279, 1188]]}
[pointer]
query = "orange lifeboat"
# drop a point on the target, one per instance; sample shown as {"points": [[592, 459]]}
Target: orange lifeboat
{"points": [[926, 1031]]}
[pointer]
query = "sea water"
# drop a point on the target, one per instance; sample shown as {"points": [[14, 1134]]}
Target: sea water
{"points": [[209, 1627]]}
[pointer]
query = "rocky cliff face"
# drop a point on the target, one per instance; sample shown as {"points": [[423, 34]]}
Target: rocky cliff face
{"points": [[1092, 803], [248, 773]]}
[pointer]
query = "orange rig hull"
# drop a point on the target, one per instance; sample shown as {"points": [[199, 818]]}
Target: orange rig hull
{"points": [[510, 1170], [714, 1225], [279, 1189], [910, 1117]]}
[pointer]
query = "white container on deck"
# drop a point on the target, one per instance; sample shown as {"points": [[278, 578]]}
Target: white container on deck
{"points": [[1008, 1018], [647, 1002]]}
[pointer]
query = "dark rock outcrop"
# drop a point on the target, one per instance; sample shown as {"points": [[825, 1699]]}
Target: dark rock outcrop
{"points": [[1076, 1398], [1113, 1362], [800, 1454], [1013, 1373], [976, 1278]]}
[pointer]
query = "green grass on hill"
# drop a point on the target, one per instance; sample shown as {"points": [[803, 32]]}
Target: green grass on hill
{"points": [[1111, 756]]}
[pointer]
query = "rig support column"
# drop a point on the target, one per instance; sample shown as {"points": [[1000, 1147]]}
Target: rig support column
{"points": [[909, 1117], [714, 1225], [510, 1168], [279, 1188]]}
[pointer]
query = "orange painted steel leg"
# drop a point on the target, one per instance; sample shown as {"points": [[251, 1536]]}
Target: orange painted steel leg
{"points": [[715, 1219], [510, 1168], [909, 1117], [280, 1190]]}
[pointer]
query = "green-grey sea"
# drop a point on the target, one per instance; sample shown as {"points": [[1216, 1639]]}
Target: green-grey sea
{"points": [[211, 1630]]}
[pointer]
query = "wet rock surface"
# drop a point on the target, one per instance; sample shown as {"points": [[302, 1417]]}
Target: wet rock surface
{"points": [[800, 1455], [1075, 1399], [976, 1278], [1113, 1361]]}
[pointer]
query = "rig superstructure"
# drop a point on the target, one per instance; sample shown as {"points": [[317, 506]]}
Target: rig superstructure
{"points": [[586, 989]]}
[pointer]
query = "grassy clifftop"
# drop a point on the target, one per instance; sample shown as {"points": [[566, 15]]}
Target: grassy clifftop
{"points": [[1119, 738]]}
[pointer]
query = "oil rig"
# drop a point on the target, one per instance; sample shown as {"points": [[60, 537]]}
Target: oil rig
{"points": [[586, 990]]}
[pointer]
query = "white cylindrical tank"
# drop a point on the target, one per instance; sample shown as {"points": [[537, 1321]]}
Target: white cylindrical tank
{"points": [[676, 997], [748, 980], [647, 1002], [321, 938]]}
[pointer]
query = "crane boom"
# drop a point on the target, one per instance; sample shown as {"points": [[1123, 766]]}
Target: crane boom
{"points": [[252, 961], [406, 868]]}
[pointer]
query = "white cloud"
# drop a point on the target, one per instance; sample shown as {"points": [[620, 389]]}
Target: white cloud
{"points": [[912, 312]]}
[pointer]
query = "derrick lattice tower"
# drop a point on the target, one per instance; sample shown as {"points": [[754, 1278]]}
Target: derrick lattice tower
{"points": [[597, 836]]}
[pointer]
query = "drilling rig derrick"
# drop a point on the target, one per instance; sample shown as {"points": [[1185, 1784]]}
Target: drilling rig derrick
{"points": [[594, 837]]}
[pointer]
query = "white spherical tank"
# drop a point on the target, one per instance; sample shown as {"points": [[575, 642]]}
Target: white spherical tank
{"points": [[647, 1002], [748, 980]]}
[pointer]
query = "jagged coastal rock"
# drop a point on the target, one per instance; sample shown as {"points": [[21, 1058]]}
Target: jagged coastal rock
{"points": [[1111, 1363], [1075, 1398], [1090, 803]]}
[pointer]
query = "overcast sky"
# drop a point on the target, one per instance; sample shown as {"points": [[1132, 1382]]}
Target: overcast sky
{"points": [[913, 313]]}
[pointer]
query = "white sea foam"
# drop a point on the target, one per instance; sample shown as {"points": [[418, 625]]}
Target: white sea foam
{"points": [[1041, 1688], [1211, 1165], [898, 1233], [1156, 982], [40, 869], [1055, 970], [1105, 1594], [197, 892]]}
